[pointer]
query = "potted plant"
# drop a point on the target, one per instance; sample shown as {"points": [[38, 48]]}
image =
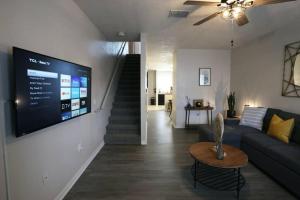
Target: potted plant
{"points": [[231, 104]]}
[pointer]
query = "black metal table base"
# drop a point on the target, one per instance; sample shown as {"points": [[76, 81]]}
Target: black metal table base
{"points": [[218, 178]]}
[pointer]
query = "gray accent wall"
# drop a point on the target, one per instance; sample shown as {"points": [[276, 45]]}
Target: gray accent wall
{"points": [[257, 70], [43, 164]]}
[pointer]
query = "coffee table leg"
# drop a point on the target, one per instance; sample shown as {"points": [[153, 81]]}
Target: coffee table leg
{"points": [[238, 183], [195, 174]]}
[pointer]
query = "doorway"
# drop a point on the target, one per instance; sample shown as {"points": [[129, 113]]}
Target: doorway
{"points": [[160, 90]]}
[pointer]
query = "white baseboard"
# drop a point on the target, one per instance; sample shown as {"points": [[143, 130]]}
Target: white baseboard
{"points": [[70, 184]]}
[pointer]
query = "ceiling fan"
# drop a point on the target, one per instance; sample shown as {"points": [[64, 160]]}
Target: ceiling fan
{"points": [[232, 9]]}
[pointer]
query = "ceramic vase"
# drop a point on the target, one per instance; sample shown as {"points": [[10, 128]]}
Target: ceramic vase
{"points": [[219, 130]]}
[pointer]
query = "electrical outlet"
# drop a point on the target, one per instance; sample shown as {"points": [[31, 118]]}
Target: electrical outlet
{"points": [[79, 147], [45, 179]]}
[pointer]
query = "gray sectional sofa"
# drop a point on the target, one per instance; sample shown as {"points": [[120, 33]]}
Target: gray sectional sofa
{"points": [[279, 160]]}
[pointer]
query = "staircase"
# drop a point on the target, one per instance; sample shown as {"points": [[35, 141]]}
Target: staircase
{"points": [[124, 122]]}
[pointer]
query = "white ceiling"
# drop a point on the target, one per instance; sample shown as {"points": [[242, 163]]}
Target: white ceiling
{"points": [[167, 34]]}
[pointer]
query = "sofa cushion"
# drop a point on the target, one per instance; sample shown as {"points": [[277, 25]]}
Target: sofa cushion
{"points": [[253, 117], [286, 154], [296, 132], [281, 129], [246, 129], [232, 134], [259, 141], [267, 119]]}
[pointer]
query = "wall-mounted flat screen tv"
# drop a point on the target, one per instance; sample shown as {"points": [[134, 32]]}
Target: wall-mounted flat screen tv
{"points": [[48, 91]]}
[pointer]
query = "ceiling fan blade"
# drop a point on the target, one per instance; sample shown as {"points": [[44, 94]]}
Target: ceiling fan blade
{"points": [[201, 3], [242, 20], [207, 18], [266, 2]]}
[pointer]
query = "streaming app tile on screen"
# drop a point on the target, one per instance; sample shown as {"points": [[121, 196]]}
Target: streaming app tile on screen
{"points": [[83, 92], [66, 106], [83, 82], [75, 113], [65, 80], [83, 111], [75, 104], [83, 102], [65, 93], [75, 81], [75, 93], [65, 116]]}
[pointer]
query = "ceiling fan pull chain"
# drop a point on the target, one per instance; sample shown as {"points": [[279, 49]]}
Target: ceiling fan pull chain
{"points": [[232, 34]]}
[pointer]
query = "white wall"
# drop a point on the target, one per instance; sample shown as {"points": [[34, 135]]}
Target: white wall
{"points": [[257, 70], [56, 28], [164, 81], [144, 96], [3, 188], [151, 85], [188, 62]]}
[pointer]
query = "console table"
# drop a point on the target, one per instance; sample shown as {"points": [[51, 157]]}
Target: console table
{"points": [[193, 108]]}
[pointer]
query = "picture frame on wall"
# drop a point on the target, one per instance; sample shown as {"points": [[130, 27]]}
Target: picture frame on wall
{"points": [[204, 76]]}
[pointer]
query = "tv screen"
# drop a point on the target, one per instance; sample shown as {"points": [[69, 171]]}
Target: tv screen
{"points": [[48, 91]]}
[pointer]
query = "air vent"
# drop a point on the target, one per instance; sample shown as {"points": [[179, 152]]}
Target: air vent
{"points": [[179, 13]]}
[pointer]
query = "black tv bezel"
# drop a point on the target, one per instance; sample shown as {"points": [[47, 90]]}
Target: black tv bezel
{"points": [[19, 134]]}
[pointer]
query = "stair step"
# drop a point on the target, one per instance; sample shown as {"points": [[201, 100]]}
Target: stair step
{"points": [[126, 111], [123, 127], [128, 92], [126, 105], [124, 122], [128, 86], [126, 119], [119, 138], [127, 98], [131, 72], [129, 81]]}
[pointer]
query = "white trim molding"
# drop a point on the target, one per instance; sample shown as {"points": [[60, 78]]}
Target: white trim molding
{"points": [[70, 184]]}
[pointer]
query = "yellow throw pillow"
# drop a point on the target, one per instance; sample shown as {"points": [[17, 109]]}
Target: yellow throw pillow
{"points": [[281, 129]]}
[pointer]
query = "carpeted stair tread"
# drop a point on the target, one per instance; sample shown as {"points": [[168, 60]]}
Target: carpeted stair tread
{"points": [[124, 122]]}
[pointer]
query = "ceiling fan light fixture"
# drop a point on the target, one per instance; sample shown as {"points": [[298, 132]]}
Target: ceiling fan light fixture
{"points": [[248, 3], [226, 14]]}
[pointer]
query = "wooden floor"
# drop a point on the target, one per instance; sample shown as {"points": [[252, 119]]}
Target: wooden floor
{"points": [[160, 171]]}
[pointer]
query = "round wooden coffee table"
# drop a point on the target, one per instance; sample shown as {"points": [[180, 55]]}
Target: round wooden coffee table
{"points": [[218, 174]]}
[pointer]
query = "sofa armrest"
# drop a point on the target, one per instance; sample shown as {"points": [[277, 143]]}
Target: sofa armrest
{"points": [[232, 122]]}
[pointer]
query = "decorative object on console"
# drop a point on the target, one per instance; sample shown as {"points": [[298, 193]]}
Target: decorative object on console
{"points": [[253, 117], [199, 103], [291, 71], [188, 104], [204, 76], [219, 130], [231, 105], [281, 129]]}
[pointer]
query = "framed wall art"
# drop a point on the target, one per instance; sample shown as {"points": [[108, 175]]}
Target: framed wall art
{"points": [[204, 76]]}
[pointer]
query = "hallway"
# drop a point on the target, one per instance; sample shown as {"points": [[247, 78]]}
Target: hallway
{"points": [[160, 171]]}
